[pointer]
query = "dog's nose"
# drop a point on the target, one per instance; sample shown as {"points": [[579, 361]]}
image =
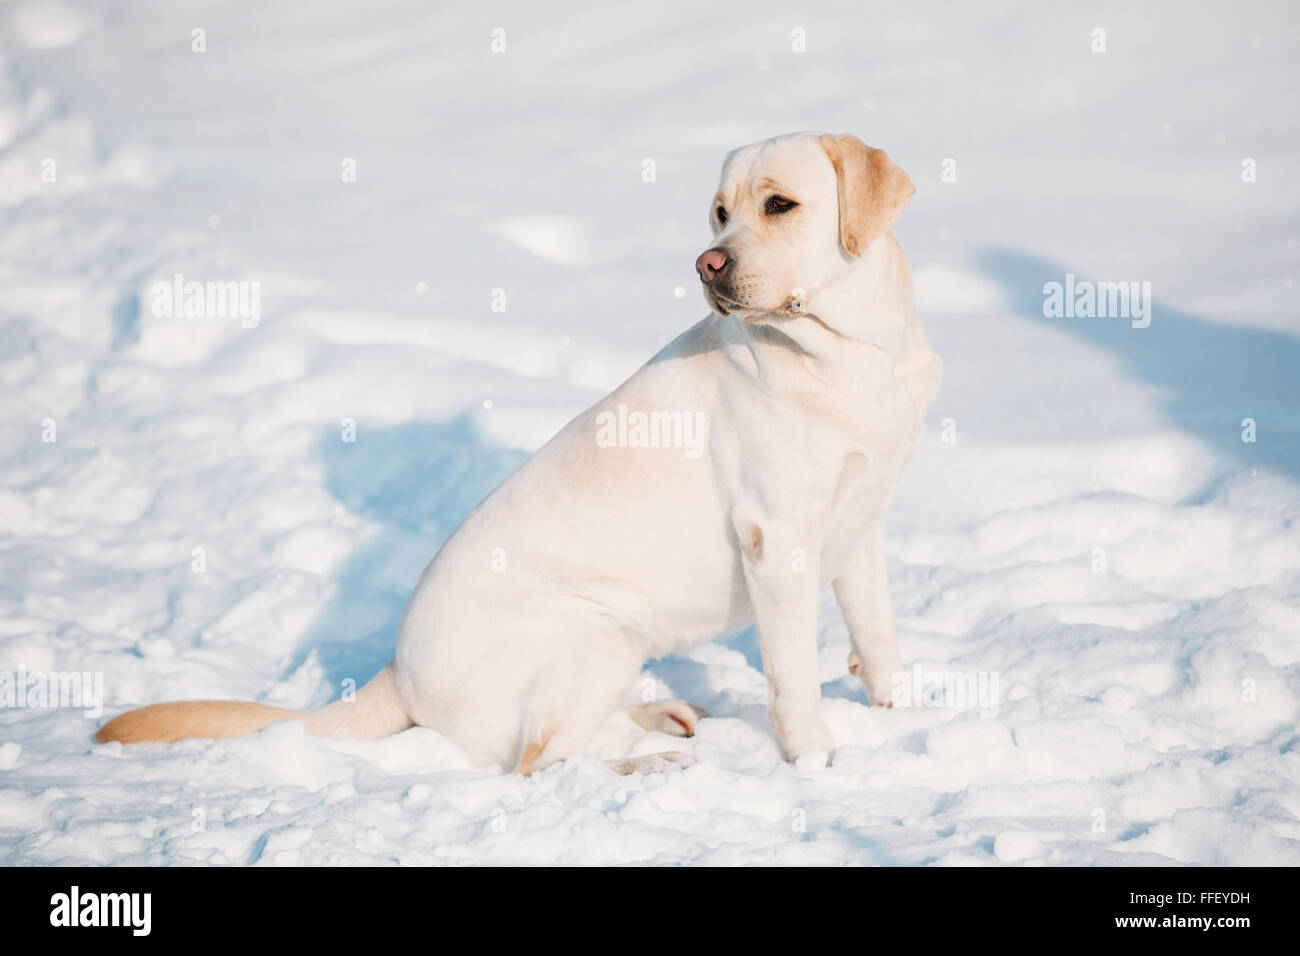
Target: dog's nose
{"points": [[711, 265]]}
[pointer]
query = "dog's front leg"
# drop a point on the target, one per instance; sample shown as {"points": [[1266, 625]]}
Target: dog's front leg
{"points": [[862, 590], [781, 574]]}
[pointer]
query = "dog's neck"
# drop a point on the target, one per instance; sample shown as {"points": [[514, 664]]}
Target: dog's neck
{"points": [[865, 310]]}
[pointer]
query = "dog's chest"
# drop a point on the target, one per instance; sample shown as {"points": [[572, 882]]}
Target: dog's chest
{"points": [[825, 460], [866, 440], [861, 496]]}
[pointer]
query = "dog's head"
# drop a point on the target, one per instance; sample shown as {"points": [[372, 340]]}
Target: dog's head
{"points": [[790, 216]]}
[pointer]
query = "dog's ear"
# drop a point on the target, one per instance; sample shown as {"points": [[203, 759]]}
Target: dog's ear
{"points": [[872, 190]]}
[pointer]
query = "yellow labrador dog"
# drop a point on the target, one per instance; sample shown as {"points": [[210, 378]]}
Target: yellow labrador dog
{"points": [[738, 472]]}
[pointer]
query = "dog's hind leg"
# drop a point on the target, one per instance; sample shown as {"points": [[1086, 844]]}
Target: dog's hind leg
{"points": [[570, 700], [564, 737]]}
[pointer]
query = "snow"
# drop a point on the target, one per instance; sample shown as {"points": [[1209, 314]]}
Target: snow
{"points": [[1097, 536]]}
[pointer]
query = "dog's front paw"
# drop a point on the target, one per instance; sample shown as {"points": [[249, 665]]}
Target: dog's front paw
{"points": [[811, 749], [813, 760], [880, 693]]}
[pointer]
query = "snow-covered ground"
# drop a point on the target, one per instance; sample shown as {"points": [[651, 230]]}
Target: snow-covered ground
{"points": [[1088, 524]]}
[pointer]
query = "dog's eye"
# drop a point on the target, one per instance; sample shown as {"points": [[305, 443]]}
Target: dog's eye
{"points": [[722, 216], [779, 204]]}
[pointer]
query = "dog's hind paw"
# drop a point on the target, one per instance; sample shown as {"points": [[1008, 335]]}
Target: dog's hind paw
{"points": [[674, 717], [651, 763]]}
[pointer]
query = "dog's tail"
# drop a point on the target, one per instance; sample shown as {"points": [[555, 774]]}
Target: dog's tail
{"points": [[376, 711]]}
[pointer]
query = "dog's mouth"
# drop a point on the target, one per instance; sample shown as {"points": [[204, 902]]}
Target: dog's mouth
{"points": [[725, 305], [794, 305]]}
